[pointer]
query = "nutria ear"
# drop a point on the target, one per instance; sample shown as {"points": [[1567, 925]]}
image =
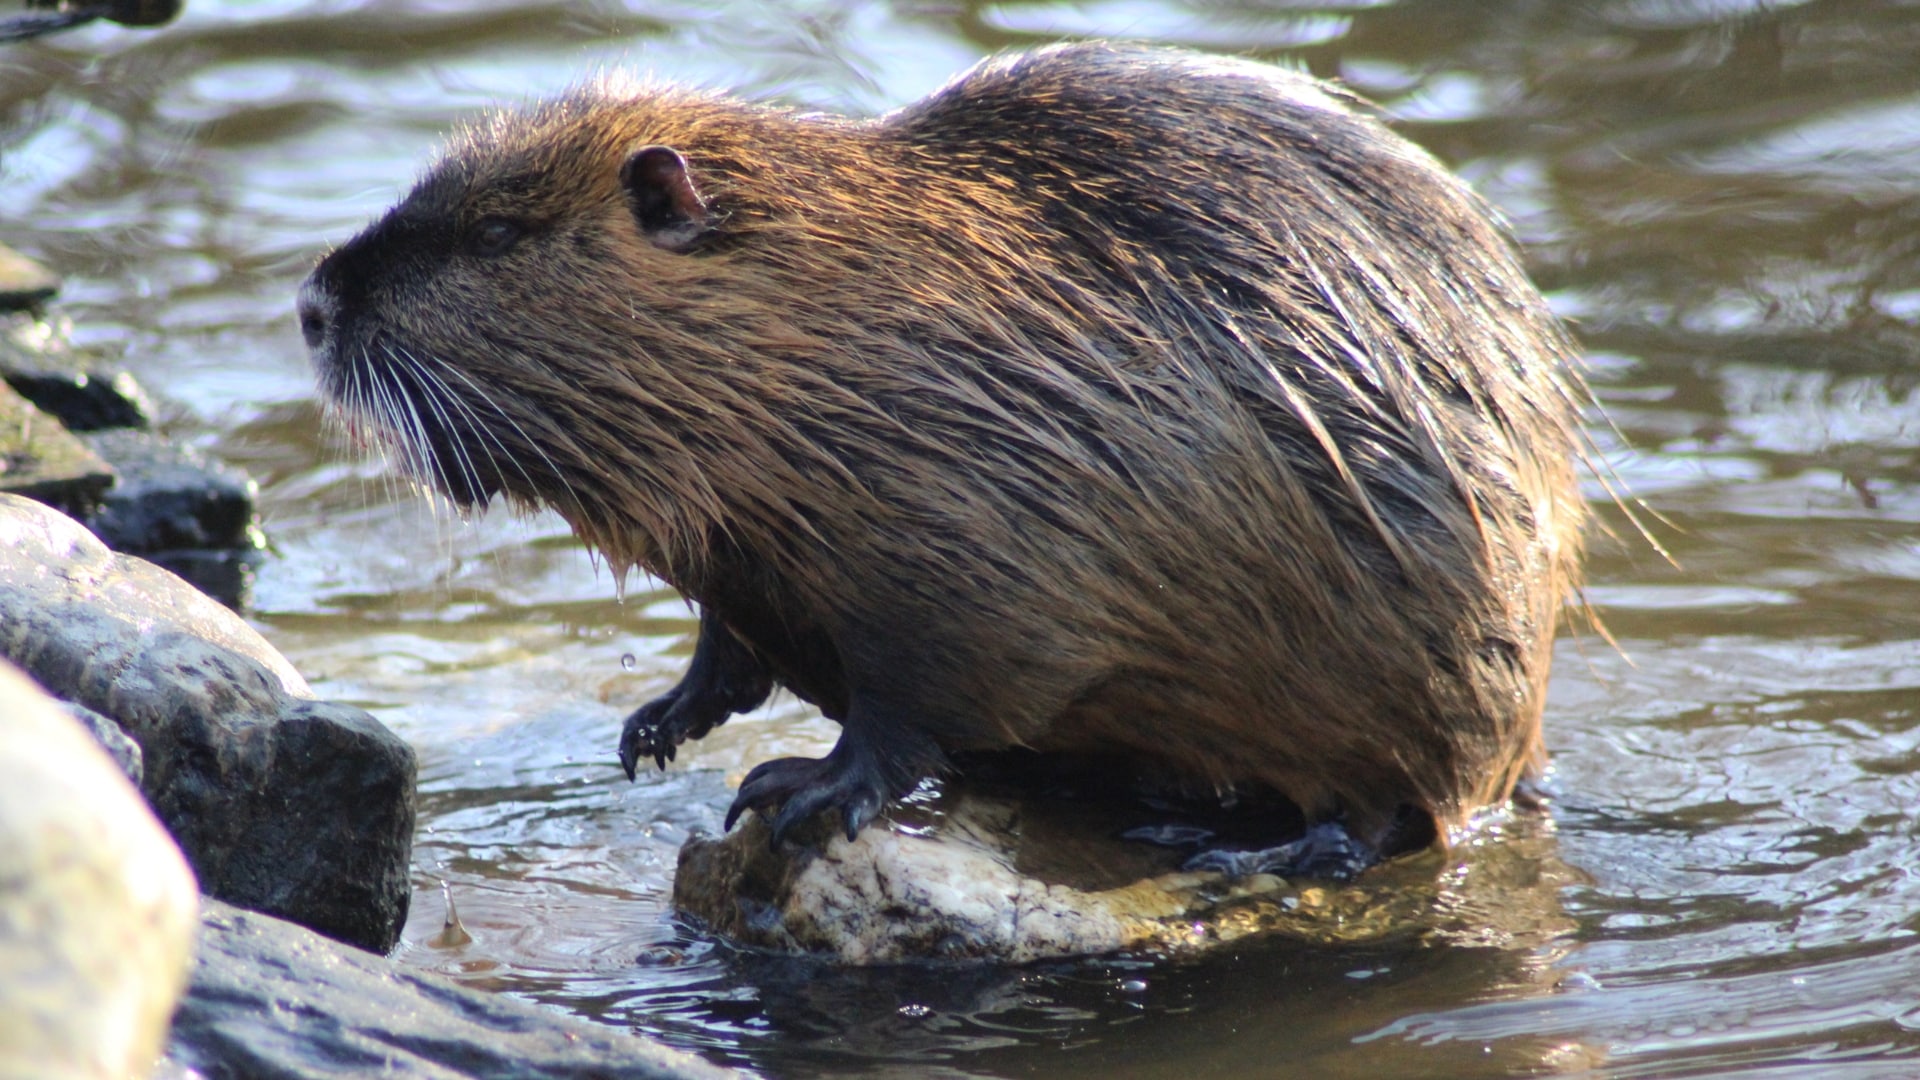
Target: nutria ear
{"points": [[670, 211]]}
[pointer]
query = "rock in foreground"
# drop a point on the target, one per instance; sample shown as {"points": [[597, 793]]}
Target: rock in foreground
{"points": [[96, 904], [271, 999], [282, 803]]}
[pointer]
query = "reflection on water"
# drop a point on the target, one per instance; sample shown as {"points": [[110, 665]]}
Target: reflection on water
{"points": [[1725, 196]]}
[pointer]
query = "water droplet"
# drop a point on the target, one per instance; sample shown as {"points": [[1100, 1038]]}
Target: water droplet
{"points": [[1133, 986], [1575, 981], [915, 1012], [629, 661]]}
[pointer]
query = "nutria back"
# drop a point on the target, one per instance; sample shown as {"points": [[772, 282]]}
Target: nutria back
{"points": [[1110, 399]]}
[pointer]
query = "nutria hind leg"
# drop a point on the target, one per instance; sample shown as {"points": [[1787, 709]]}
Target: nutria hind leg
{"points": [[877, 760], [724, 677], [1328, 850]]}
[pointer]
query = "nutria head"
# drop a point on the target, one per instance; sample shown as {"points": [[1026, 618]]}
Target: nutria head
{"points": [[553, 313]]}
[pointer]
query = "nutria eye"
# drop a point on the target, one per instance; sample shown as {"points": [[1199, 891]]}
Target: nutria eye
{"points": [[492, 236]]}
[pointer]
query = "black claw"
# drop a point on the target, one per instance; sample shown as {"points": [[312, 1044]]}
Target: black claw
{"points": [[803, 788], [630, 754], [644, 735], [855, 815], [778, 834], [798, 809]]}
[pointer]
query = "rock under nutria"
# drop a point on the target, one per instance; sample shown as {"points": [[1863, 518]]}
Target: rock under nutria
{"points": [[1110, 399]]}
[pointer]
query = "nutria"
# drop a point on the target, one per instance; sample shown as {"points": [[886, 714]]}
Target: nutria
{"points": [[1109, 399]]}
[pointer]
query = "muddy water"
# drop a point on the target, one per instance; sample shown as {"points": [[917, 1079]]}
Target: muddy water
{"points": [[1724, 195]]}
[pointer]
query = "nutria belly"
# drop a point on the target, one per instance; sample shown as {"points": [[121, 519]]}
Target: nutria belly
{"points": [[1110, 399]]}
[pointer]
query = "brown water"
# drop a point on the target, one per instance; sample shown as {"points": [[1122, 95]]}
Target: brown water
{"points": [[1724, 195]]}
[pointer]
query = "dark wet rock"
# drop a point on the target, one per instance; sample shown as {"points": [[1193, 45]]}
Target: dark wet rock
{"points": [[37, 360], [84, 400], [42, 461], [141, 12], [170, 496], [118, 744], [283, 804], [97, 908], [226, 575], [145, 495], [270, 999], [193, 516], [56, 15], [24, 283]]}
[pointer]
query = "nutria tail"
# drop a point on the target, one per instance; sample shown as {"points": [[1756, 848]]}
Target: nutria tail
{"points": [[1110, 398]]}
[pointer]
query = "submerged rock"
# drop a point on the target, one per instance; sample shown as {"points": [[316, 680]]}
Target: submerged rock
{"points": [[282, 803], [973, 874], [271, 999], [96, 904]]}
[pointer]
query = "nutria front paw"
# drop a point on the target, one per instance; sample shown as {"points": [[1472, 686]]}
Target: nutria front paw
{"points": [[803, 787], [682, 713], [654, 730], [724, 677]]}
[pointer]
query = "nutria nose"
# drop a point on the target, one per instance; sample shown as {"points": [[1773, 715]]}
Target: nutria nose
{"points": [[316, 314]]}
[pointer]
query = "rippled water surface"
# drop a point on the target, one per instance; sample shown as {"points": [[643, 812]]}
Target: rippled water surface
{"points": [[1724, 195]]}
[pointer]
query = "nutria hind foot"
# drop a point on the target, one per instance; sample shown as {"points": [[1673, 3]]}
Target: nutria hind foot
{"points": [[1327, 851], [858, 777], [724, 677]]}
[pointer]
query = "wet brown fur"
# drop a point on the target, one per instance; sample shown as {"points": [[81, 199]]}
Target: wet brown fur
{"points": [[1111, 399]]}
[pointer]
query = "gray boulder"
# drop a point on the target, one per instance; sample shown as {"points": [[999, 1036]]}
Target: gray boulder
{"points": [[271, 999], [282, 803]]}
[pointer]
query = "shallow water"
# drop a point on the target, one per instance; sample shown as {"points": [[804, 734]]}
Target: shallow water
{"points": [[1724, 195]]}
